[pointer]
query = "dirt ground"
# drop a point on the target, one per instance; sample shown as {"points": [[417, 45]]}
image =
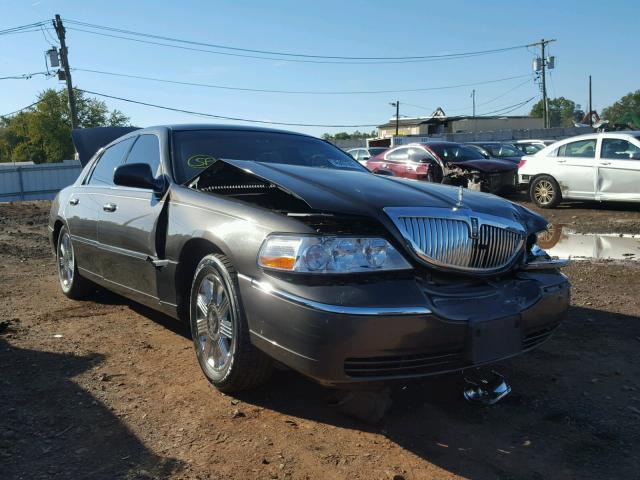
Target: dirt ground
{"points": [[108, 389]]}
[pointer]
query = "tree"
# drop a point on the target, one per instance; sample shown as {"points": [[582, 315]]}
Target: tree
{"points": [[562, 111], [626, 110], [348, 136], [42, 133]]}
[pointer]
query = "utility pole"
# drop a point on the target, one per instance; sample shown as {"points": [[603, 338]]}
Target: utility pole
{"points": [[473, 96], [590, 105], [541, 65], [397, 105], [64, 60]]}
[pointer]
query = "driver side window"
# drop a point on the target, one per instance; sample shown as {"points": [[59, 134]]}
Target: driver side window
{"points": [[113, 156]]}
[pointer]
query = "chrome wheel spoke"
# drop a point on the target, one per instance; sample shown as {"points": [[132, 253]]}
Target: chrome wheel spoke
{"points": [[220, 294], [222, 352], [201, 326], [226, 329], [202, 305], [223, 308]]}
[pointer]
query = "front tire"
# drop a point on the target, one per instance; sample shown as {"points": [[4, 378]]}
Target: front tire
{"points": [[73, 285], [545, 192], [220, 331]]}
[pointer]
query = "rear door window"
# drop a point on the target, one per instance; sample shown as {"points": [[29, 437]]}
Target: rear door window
{"points": [[581, 149], [399, 155], [112, 157]]}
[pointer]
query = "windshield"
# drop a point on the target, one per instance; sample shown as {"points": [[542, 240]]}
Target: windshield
{"points": [[195, 150], [503, 150], [455, 153], [377, 150]]}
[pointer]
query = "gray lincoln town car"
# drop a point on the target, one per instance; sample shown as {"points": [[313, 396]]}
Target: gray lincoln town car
{"points": [[278, 246]]}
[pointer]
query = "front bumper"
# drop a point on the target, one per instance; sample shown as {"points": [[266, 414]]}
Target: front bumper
{"points": [[401, 328]]}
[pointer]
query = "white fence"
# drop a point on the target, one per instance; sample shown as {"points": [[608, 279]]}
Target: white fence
{"points": [[25, 181]]}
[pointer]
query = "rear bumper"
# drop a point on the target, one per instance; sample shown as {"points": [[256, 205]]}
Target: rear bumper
{"points": [[349, 335]]}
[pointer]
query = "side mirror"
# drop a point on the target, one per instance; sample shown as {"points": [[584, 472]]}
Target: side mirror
{"points": [[137, 175], [634, 156]]}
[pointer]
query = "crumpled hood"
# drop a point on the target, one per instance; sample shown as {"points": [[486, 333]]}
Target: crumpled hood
{"points": [[366, 194]]}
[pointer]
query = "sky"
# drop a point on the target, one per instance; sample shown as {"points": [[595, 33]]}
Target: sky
{"points": [[592, 38]]}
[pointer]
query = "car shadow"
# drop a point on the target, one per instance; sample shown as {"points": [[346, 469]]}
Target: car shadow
{"points": [[548, 415], [51, 427], [106, 297], [550, 426]]}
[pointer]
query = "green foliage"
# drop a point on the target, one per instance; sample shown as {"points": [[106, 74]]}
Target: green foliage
{"points": [[43, 132], [562, 111], [624, 111], [348, 136]]}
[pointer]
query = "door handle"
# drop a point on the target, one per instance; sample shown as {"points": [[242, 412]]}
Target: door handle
{"points": [[109, 207], [605, 163], [561, 161], [74, 201]]}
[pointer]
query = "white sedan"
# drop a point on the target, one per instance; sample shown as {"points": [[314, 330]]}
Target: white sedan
{"points": [[599, 166]]}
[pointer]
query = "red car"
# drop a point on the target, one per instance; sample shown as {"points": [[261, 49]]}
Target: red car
{"points": [[449, 163]]}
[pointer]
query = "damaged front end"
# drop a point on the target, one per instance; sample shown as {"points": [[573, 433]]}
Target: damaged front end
{"points": [[490, 182]]}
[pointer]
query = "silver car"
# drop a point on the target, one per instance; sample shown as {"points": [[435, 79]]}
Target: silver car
{"points": [[600, 166]]}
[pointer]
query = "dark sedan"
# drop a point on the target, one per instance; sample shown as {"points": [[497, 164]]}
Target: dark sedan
{"points": [[274, 245], [449, 163], [502, 150]]}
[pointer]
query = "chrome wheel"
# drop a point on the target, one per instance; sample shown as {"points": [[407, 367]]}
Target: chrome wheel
{"points": [[214, 323], [544, 192], [66, 261]]}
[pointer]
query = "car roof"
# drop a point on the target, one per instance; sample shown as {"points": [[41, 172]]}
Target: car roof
{"points": [[215, 126]]}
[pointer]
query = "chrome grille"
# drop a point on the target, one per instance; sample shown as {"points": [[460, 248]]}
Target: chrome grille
{"points": [[460, 240]]}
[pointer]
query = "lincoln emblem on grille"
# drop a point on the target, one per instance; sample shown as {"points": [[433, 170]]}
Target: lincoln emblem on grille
{"points": [[459, 239], [474, 227]]}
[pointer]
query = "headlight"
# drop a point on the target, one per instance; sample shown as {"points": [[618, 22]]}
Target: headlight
{"points": [[315, 254]]}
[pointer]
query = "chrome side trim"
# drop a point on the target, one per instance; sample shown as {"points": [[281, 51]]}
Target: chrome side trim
{"points": [[267, 289], [546, 264]]}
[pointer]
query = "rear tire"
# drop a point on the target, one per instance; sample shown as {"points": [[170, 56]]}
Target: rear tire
{"points": [[545, 192], [73, 285], [220, 330]]}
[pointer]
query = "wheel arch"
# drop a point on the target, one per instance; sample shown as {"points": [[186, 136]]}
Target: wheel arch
{"points": [[193, 250], [57, 226]]}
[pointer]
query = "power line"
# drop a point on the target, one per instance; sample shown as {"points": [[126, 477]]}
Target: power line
{"points": [[23, 108], [305, 92], [29, 27], [478, 104], [508, 109], [297, 55], [25, 76], [223, 117]]}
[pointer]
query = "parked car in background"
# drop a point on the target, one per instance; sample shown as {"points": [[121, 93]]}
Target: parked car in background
{"points": [[274, 245], [364, 154], [449, 163], [604, 167], [529, 147], [503, 150]]}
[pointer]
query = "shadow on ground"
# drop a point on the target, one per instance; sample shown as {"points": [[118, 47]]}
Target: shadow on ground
{"points": [[549, 427], [50, 427]]}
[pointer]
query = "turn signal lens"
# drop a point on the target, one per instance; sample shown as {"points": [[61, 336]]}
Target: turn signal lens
{"points": [[314, 254], [281, 263]]}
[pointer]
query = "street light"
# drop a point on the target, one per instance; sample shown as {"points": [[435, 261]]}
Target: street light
{"points": [[397, 105]]}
